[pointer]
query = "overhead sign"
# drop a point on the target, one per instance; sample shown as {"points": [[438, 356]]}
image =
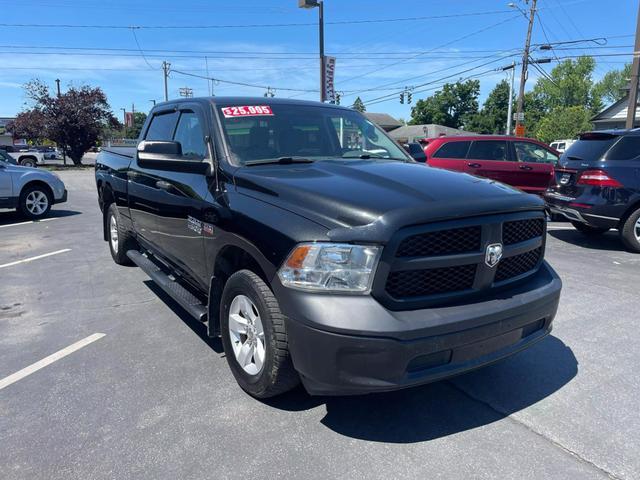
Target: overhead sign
{"points": [[329, 79]]}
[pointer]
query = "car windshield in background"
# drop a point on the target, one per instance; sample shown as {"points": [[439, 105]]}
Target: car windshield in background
{"points": [[589, 148], [271, 132]]}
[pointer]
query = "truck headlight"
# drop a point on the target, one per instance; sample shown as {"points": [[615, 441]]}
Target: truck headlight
{"points": [[330, 267]]}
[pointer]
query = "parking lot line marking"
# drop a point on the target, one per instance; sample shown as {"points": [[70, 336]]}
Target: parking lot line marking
{"points": [[31, 259], [26, 223], [19, 375]]}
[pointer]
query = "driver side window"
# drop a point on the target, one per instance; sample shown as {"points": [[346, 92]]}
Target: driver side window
{"points": [[190, 136]]}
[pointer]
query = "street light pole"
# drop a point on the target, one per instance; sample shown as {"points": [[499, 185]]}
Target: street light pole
{"points": [[525, 64], [320, 5], [512, 67]]}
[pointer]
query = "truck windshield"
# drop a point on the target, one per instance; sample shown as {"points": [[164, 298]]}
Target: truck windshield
{"points": [[262, 132]]}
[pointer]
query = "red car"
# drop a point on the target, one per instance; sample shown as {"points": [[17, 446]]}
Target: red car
{"points": [[521, 162]]}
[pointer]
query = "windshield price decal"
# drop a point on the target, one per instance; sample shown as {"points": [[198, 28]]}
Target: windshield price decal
{"points": [[246, 111]]}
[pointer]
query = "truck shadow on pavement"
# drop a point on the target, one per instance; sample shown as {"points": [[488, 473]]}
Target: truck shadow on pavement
{"points": [[8, 218], [447, 407], [608, 241]]}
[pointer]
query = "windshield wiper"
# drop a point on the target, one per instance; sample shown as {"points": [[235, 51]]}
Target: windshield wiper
{"points": [[279, 161]]}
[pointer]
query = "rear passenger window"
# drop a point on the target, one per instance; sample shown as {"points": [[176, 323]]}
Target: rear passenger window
{"points": [[162, 127], [488, 150], [626, 149], [453, 150], [191, 137]]}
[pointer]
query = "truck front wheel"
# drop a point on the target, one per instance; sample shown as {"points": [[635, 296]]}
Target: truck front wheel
{"points": [[254, 337]]}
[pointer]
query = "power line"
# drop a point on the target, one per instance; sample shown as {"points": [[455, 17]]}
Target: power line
{"points": [[243, 84], [256, 25], [440, 46]]}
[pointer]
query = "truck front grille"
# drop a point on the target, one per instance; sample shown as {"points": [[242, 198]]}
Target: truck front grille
{"points": [[444, 242], [522, 230], [418, 283], [432, 264], [517, 265]]}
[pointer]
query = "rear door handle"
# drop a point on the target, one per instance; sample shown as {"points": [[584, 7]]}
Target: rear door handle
{"points": [[474, 165], [162, 185], [525, 167]]}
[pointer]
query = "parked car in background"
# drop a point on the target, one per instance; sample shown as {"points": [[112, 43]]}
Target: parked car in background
{"points": [[597, 186], [416, 151], [561, 145], [29, 190], [24, 156], [48, 152], [521, 162]]}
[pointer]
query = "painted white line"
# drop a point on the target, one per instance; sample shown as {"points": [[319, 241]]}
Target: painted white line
{"points": [[31, 259], [5, 382], [26, 223]]}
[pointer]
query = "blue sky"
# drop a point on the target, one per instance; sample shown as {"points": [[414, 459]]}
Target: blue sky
{"points": [[374, 59]]}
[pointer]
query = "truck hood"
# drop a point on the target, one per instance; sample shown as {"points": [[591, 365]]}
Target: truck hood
{"points": [[370, 199]]}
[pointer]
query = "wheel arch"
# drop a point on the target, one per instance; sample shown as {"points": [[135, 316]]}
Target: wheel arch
{"points": [[229, 259], [634, 206], [106, 198], [37, 183]]}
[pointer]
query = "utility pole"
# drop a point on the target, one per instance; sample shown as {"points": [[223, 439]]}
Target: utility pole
{"points": [[165, 71], [525, 64], [58, 86], [512, 67], [635, 72]]}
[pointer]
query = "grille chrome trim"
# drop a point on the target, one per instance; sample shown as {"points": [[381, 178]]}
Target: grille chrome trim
{"points": [[393, 267]]}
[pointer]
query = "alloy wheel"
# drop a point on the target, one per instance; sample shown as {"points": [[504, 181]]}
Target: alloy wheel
{"points": [[636, 230], [247, 334], [37, 202], [113, 233]]}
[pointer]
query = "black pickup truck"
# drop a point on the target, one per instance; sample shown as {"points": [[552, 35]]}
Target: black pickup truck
{"points": [[320, 252]]}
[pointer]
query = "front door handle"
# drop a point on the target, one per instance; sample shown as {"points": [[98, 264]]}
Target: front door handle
{"points": [[162, 185], [132, 174], [474, 165], [525, 167]]}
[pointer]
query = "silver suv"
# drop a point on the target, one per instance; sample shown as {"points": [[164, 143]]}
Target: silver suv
{"points": [[31, 191]]}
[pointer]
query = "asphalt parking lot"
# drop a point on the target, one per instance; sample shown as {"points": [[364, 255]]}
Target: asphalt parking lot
{"points": [[152, 397]]}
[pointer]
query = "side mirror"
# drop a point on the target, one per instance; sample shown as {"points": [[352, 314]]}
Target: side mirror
{"points": [[417, 152], [162, 155]]}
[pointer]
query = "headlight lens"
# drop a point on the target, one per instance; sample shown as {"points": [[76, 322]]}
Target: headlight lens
{"points": [[330, 267]]}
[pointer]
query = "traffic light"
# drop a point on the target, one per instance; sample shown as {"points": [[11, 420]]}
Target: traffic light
{"points": [[337, 99], [402, 97], [409, 97]]}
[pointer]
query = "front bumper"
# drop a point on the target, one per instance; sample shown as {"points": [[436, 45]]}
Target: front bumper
{"points": [[344, 345], [63, 197]]}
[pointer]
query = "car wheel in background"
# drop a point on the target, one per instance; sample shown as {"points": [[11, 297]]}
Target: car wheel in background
{"points": [[35, 201], [254, 337], [120, 240], [588, 229], [630, 232], [28, 162]]}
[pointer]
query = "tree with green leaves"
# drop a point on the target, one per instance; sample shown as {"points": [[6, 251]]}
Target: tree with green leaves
{"points": [[613, 85], [492, 118], [359, 105], [449, 106], [564, 122]]}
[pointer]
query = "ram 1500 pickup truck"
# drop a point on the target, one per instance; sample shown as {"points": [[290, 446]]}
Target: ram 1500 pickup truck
{"points": [[320, 252]]}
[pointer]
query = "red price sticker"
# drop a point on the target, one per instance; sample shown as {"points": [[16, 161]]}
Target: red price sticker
{"points": [[246, 111]]}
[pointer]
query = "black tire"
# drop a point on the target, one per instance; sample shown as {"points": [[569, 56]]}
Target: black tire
{"points": [[629, 232], [277, 374], [29, 162], [124, 240], [588, 229], [26, 205]]}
